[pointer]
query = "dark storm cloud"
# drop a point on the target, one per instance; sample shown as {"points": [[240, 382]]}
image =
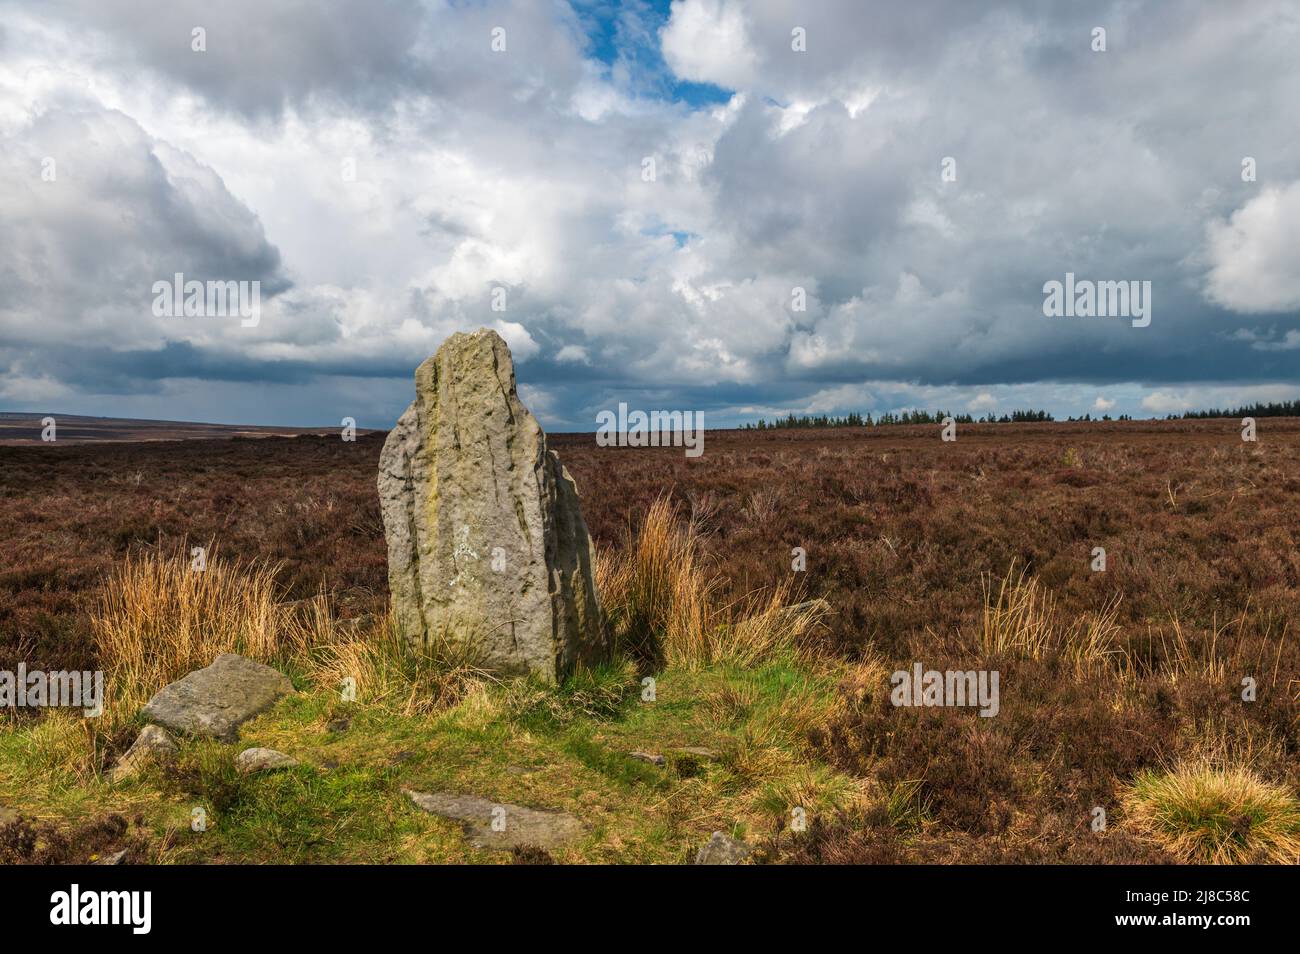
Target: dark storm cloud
{"points": [[261, 56], [118, 212]]}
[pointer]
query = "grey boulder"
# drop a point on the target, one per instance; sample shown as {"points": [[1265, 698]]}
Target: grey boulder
{"points": [[722, 849], [215, 701], [262, 760]]}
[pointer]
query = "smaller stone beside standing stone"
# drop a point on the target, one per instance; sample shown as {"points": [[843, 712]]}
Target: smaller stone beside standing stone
{"points": [[722, 849], [152, 746], [498, 825], [262, 760], [216, 700]]}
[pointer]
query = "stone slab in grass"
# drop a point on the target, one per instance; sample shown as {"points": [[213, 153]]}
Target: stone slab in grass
{"points": [[254, 760], [215, 701], [722, 849], [519, 826], [153, 744]]}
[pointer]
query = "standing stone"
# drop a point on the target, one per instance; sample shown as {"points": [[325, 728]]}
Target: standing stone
{"points": [[486, 541]]}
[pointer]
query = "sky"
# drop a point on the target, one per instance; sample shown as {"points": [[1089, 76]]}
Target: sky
{"points": [[744, 209]]}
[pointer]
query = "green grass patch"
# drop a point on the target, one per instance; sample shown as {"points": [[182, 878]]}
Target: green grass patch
{"points": [[520, 741]]}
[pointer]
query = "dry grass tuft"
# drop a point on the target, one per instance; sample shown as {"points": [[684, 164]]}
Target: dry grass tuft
{"points": [[663, 602], [1022, 620], [1210, 814], [158, 619], [388, 671]]}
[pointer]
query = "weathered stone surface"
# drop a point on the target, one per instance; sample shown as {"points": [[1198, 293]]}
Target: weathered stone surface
{"points": [[722, 849], [652, 757], [262, 760], [217, 700], [486, 541], [522, 826], [152, 745]]}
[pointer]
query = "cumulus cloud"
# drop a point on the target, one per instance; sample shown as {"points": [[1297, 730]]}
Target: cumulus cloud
{"points": [[707, 41], [572, 353], [1255, 254], [96, 212]]}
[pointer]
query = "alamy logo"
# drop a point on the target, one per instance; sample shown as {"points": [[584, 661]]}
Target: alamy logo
{"points": [[179, 298], [953, 687], [655, 429], [1088, 299], [38, 688], [103, 907]]}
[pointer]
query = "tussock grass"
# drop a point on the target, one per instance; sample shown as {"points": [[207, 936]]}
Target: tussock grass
{"points": [[663, 602], [593, 694], [765, 629], [655, 590], [389, 672], [157, 619], [905, 805], [815, 789], [1204, 812], [58, 749], [1021, 619], [1224, 647]]}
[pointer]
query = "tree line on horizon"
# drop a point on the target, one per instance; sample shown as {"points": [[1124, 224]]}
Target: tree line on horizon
{"points": [[854, 419]]}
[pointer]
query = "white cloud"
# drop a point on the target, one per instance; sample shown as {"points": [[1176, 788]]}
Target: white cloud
{"points": [[1102, 404], [1254, 256], [1165, 402], [522, 345], [707, 41], [476, 170], [572, 354]]}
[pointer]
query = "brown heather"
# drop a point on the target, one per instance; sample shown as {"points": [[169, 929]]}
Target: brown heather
{"points": [[1119, 689]]}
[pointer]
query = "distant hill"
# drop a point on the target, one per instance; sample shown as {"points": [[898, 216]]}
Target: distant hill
{"points": [[24, 427]]}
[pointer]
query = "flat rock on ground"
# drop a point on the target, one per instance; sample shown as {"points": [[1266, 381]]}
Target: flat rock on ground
{"points": [[262, 760], [523, 826], [722, 849], [152, 745], [217, 700]]}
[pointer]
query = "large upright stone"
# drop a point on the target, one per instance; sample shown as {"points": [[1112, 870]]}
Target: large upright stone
{"points": [[486, 541]]}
